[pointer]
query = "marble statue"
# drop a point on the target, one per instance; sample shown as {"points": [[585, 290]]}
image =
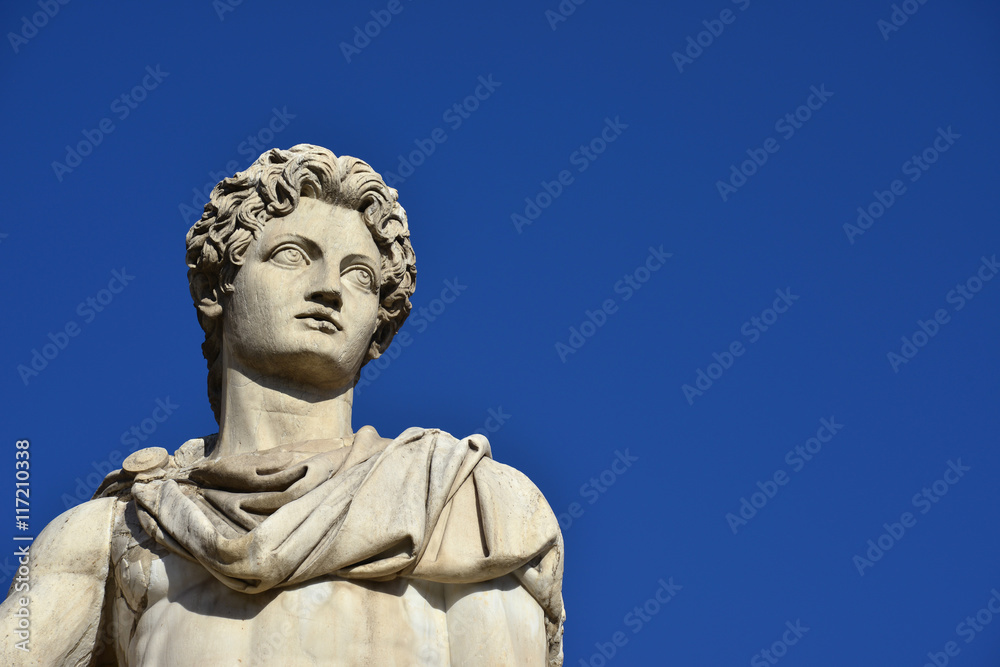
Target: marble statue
{"points": [[288, 538]]}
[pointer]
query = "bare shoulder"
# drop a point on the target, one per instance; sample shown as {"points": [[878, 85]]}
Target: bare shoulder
{"points": [[510, 481], [54, 609], [76, 541]]}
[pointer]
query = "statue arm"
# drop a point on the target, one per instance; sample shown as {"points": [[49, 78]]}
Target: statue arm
{"points": [[65, 592], [494, 622]]}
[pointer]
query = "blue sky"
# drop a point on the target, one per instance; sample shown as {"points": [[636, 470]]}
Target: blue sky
{"points": [[667, 308]]}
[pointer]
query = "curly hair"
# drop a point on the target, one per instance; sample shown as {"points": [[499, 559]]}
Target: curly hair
{"points": [[239, 208]]}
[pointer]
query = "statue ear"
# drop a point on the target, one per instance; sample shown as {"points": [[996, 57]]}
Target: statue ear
{"points": [[379, 341], [206, 296], [383, 335], [210, 309]]}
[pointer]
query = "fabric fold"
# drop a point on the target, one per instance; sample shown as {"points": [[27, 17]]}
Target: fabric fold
{"points": [[367, 510]]}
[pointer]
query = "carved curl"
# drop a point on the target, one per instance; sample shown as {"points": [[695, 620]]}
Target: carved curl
{"points": [[240, 207]]}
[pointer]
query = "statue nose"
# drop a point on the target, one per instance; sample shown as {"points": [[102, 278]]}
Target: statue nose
{"points": [[327, 297], [327, 289]]}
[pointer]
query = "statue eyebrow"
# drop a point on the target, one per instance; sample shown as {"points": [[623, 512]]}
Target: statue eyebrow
{"points": [[365, 259], [311, 247]]}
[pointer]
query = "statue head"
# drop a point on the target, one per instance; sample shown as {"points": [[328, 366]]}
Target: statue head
{"points": [[273, 187]]}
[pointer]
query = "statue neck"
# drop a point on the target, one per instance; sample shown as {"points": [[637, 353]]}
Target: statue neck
{"points": [[259, 413]]}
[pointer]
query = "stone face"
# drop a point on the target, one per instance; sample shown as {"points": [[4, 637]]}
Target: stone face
{"points": [[288, 538]]}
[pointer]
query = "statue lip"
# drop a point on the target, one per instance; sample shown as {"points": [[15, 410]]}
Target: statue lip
{"points": [[320, 315]]}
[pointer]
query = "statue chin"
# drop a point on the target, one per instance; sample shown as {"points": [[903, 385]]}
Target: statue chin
{"points": [[304, 371]]}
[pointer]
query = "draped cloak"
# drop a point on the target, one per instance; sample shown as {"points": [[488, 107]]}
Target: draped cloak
{"points": [[371, 509]]}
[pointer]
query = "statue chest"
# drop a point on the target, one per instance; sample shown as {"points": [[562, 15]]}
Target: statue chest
{"points": [[191, 619], [167, 610]]}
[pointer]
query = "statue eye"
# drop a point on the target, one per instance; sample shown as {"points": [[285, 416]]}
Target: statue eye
{"points": [[289, 256], [361, 276]]}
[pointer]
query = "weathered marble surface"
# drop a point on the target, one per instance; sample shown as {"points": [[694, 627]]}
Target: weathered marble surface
{"points": [[289, 539]]}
